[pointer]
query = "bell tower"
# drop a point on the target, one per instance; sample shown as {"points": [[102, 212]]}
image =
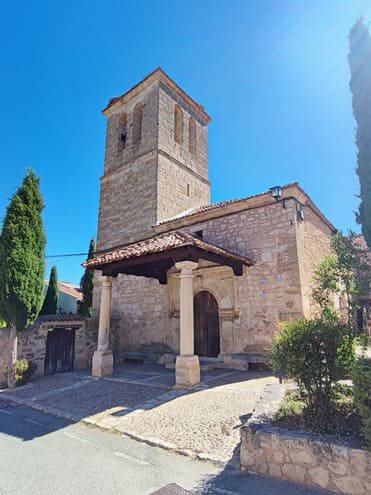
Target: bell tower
{"points": [[156, 160]]}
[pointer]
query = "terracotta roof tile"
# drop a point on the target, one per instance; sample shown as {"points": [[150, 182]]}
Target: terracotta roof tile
{"points": [[68, 288], [214, 206], [160, 243]]}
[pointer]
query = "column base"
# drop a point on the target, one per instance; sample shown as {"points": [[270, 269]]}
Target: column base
{"points": [[102, 363], [187, 371]]}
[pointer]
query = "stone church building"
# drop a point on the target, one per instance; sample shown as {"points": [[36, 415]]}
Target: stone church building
{"points": [[180, 274]]}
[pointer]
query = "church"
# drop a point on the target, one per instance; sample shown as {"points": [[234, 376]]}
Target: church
{"points": [[183, 277]]}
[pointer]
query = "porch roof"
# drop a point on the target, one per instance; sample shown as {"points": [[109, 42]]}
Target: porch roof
{"points": [[153, 257]]}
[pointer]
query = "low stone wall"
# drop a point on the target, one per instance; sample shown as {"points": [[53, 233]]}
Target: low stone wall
{"points": [[300, 457]]}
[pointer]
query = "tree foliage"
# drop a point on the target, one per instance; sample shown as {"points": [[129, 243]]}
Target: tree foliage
{"points": [[50, 303], [87, 285], [362, 394], [360, 85], [22, 264], [316, 353], [342, 273]]}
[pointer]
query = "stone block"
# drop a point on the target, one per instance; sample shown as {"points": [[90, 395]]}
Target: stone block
{"points": [[303, 458], [319, 476], [293, 473], [187, 371], [102, 364], [338, 468], [274, 470], [349, 485]]}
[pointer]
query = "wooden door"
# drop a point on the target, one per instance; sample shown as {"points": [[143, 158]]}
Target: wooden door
{"points": [[60, 351], [206, 325]]}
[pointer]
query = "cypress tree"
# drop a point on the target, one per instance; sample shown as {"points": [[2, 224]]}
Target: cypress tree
{"points": [[22, 262], [50, 304], [360, 85], [87, 285]]}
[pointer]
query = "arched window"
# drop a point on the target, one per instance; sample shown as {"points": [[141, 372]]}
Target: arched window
{"points": [[192, 136], [123, 124], [178, 124], [137, 123]]}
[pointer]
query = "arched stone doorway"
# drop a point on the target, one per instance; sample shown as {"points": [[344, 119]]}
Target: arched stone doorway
{"points": [[206, 325]]}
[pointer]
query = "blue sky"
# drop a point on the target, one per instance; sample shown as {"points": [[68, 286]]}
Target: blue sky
{"points": [[273, 75]]}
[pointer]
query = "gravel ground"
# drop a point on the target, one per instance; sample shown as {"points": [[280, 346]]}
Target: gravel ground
{"points": [[205, 421]]}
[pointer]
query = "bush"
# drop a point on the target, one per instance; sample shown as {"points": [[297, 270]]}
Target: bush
{"points": [[23, 370], [316, 353], [362, 394]]}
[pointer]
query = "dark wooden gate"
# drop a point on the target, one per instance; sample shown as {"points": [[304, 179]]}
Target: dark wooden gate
{"points": [[206, 326], [60, 351]]}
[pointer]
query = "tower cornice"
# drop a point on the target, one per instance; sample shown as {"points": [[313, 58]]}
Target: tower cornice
{"points": [[157, 75]]}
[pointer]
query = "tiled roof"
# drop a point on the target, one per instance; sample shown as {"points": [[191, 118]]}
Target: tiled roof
{"points": [[60, 317], [161, 243], [68, 288], [215, 206]]}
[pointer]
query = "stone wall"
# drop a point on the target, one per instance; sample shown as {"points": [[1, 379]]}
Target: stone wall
{"points": [[152, 179], [269, 291], [249, 306], [32, 345], [197, 162], [142, 305], [301, 457], [313, 244], [179, 188]]}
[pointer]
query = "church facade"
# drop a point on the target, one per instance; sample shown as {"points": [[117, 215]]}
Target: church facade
{"points": [[181, 275]]}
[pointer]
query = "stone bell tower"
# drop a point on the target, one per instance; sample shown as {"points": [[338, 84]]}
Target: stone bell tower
{"points": [[156, 160]]}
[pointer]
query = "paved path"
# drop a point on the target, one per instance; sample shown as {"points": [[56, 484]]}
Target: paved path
{"points": [[140, 401], [41, 454]]}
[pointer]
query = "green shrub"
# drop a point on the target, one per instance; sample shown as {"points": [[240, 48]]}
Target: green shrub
{"points": [[23, 370], [362, 394], [316, 353]]}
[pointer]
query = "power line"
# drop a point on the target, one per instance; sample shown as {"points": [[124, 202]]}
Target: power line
{"points": [[65, 255]]}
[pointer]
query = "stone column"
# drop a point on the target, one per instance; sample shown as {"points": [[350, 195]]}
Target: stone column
{"points": [[103, 357], [187, 364]]}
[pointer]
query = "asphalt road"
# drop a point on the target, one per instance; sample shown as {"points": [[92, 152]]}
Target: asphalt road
{"points": [[44, 455]]}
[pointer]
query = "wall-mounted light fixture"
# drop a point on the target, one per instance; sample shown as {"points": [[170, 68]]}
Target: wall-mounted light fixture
{"points": [[276, 192]]}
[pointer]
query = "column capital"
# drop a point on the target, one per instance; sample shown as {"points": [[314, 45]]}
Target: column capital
{"points": [[186, 266], [105, 281]]}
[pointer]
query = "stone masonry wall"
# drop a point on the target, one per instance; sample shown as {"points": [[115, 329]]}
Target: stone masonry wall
{"points": [[249, 306], [115, 156], [197, 162], [179, 189], [268, 292], [142, 305], [313, 244], [128, 200], [32, 346], [301, 457]]}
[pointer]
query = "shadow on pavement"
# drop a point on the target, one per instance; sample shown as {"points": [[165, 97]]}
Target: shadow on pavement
{"points": [[26, 423]]}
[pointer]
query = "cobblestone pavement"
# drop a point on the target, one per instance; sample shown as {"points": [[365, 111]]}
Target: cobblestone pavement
{"points": [[140, 402]]}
